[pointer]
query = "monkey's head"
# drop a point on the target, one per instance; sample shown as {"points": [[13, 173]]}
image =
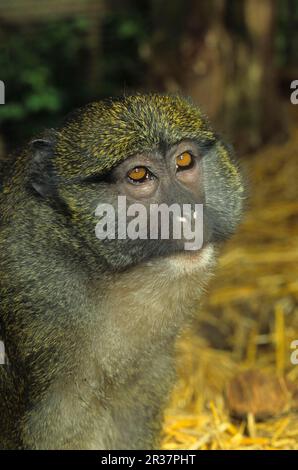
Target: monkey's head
{"points": [[152, 149]]}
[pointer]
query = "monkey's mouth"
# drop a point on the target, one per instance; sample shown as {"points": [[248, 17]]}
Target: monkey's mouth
{"points": [[194, 259]]}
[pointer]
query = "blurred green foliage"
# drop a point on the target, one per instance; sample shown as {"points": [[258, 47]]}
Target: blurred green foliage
{"points": [[46, 66], [44, 74], [287, 33], [124, 31]]}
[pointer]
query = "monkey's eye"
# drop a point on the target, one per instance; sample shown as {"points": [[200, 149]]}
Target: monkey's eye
{"points": [[139, 174], [184, 161]]}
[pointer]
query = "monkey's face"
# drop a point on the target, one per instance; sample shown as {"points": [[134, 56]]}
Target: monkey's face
{"points": [[153, 196], [135, 175]]}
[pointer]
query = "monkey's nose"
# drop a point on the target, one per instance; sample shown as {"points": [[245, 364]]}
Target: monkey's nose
{"points": [[187, 219]]}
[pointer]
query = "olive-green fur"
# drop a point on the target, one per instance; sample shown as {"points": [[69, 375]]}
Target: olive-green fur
{"points": [[111, 131]]}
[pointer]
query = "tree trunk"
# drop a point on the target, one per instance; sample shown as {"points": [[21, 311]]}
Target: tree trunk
{"points": [[225, 60]]}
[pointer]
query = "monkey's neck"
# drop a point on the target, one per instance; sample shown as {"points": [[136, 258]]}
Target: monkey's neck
{"points": [[144, 309]]}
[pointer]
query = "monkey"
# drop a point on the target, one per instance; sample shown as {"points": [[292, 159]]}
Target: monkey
{"points": [[90, 325]]}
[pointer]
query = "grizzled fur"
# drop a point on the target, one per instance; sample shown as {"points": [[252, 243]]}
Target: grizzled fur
{"points": [[90, 326]]}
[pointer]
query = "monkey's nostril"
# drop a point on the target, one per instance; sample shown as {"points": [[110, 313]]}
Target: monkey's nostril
{"points": [[188, 218]]}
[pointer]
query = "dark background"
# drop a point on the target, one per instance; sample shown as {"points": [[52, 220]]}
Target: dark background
{"points": [[235, 58]]}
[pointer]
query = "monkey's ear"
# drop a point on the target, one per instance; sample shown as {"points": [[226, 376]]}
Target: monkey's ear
{"points": [[41, 172]]}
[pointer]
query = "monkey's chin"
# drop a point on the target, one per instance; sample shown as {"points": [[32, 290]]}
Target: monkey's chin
{"points": [[190, 261]]}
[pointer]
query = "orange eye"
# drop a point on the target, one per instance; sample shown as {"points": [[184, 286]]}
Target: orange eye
{"points": [[184, 160], [138, 174]]}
